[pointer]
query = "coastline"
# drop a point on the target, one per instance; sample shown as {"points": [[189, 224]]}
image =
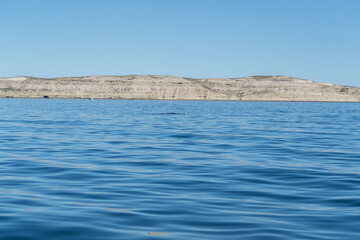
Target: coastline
{"points": [[197, 100], [150, 87]]}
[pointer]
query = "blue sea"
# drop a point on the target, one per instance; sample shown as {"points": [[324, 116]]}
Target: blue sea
{"points": [[118, 169]]}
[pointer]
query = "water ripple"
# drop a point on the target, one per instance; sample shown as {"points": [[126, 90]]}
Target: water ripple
{"points": [[78, 169]]}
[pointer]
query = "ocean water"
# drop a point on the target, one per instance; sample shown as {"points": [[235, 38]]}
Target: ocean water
{"points": [[107, 169]]}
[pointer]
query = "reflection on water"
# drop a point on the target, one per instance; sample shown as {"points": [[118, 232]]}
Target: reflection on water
{"points": [[80, 169]]}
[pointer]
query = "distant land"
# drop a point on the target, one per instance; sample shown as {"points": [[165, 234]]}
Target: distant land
{"points": [[253, 88]]}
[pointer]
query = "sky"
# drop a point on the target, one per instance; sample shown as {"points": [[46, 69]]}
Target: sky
{"points": [[317, 40]]}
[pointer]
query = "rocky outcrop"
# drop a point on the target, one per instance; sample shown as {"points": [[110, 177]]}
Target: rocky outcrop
{"points": [[255, 88]]}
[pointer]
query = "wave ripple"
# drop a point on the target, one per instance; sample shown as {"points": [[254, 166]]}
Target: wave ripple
{"points": [[78, 169]]}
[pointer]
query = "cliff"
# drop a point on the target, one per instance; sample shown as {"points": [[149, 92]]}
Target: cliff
{"points": [[255, 88]]}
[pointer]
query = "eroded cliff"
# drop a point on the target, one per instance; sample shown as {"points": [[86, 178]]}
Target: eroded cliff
{"points": [[255, 88]]}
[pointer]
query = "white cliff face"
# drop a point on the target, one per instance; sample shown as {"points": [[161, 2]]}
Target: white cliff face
{"points": [[20, 78], [255, 88]]}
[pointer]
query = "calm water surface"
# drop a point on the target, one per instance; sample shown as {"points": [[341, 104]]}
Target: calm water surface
{"points": [[79, 169]]}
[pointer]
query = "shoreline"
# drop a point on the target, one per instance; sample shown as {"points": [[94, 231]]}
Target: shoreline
{"points": [[150, 87], [197, 100]]}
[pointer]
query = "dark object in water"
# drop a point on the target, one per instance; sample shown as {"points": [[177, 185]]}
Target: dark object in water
{"points": [[46, 96], [173, 113]]}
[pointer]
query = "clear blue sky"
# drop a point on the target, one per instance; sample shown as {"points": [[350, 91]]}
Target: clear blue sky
{"points": [[313, 39]]}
